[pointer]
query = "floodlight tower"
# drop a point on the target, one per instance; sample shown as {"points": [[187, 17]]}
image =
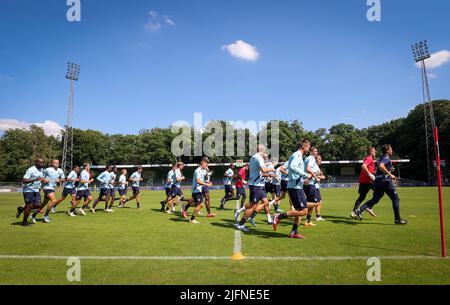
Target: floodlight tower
{"points": [[73, 73], [421, 53]]}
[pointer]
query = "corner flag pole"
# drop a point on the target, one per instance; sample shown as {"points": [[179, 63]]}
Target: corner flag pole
{"points": [[421, 53], [439, 180]]}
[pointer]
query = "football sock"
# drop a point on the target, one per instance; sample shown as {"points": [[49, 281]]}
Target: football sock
{"points": [[282, 216], [243, 221], [294, 228]]}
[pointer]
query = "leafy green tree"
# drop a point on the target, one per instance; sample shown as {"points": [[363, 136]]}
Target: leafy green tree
{"points": [[344, 142], [91, 146], [20, 147], [407, 136]]}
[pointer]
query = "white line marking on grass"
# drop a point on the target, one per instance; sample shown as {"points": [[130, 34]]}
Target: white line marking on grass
{"points": [[166, 258], [261, 258], [237, 241], [237, 235], [341, 258]]}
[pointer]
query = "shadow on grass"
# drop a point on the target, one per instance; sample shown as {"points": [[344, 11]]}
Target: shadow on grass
{"points": [[229, 224], [17, 223], [181, 219], [226, 223], [30, 224], [262, 223], [221, 210], [350, 221]]}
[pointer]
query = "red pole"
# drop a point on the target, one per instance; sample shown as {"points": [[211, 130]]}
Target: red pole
{"points": [[439, 179]]}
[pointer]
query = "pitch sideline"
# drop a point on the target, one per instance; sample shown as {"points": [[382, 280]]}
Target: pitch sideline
{"points": [[261, 258]]}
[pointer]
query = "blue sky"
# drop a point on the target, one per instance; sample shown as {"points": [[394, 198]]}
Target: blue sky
{"points": [[320, 61]]}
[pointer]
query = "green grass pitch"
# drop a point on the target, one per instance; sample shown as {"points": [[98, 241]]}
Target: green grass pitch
{"points": [[148, 232]]}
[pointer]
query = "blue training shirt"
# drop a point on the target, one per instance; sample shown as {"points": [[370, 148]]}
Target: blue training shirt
{"points": [[122, 182], [84, 176], [296, 171], [111, 181], [52, 175], [136, 177], [32, 173], [228, 179], [169, 179], [177, 174], [255, 174], [71, 184], [104, 179], [199, 173]]}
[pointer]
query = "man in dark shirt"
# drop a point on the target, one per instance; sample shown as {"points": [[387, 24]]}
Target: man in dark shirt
{"points": [[383, 185]]}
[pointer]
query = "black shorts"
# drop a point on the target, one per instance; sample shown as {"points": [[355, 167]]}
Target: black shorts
{"points": [[240, 192], [112, 192], [48, 192], [83, 194], [122, 192], [205, 190], [168, 192], [32, 197], [176, 191], [104, 192], [277, 190], [68, 191], [228, 189], [270, 187], [284, 184], [257, 193], [318, 195], [365, 188], [384, 187], [198, 198], [135, 190], [298, 199], [310, 192]]}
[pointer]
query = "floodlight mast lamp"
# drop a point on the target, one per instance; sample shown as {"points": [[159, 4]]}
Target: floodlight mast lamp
{"points": [[421, 54], [73, 74]]}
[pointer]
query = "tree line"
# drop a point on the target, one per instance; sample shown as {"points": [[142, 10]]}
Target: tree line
{"points": [[20, 147]]}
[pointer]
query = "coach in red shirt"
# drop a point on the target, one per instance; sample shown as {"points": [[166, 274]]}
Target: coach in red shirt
{"points": [[240, 184], [366, 178]]}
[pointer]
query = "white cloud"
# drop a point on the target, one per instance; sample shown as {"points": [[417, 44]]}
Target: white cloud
{"points": [[152, 26], [51, 128], [437, 59], [242, 50], [157, 23], [432, 76], [169, 21]]}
